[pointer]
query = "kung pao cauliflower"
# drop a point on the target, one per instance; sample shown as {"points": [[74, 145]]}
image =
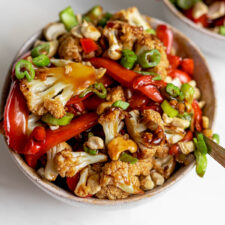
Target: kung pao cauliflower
{"points": [[102, 106]]}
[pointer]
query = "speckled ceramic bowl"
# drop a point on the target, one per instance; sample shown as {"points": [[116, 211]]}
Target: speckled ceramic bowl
{"points": [[202, 75], [210, 42]]}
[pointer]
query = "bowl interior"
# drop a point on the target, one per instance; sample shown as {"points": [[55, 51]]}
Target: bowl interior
{"points": [[184, 48], [180, 16]]}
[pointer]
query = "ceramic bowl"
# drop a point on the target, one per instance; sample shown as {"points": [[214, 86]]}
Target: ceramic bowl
{"points": [[185, 48], [210, 42]]}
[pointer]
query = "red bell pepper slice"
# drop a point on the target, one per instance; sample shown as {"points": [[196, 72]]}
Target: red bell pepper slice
{"points": [[183, 76], [88, 45], [187, 66], [174, 61], [72, 182], [165, 35], [138, 100], [92, 103], [15, 119], [197, 116], [116, 71]]}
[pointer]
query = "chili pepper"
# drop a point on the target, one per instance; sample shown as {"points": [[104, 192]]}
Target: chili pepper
{"points": [[219, 21], [41, 60], [39, 133], [165, 35], [121, 104], [116, 71], [88, 45], [94, 13], [168, 109], [184, 77], [201, 163], [200, 144], [68, 18], [150, 31], [97, 88], [174, 61], [24, 69], [103, 21], [128, 59], [15, 119], [72, 182], [172, 90], [174, 149], [63, 133], [49, 119], [124, 157], [146, 80], [188, 92], [216, 138], [138, 100], [40, 50], [89, 151], [92, 103], [197, 116], [149, 59], [187, 66]]}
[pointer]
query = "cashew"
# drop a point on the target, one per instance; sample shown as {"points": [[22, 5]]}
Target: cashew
{"points": [[186, 147], [157, 178], [95, 143], [205, 122], [53, 30], [90, 31], [146, 183], [119, 145]]}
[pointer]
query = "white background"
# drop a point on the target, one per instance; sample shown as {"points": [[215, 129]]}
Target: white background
{"points": [[191, 201]]}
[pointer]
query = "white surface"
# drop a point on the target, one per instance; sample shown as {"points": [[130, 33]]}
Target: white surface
{"points": [[191, 201]]}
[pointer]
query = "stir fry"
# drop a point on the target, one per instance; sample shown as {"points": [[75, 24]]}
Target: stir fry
{"points": [[103, 107], [207, 13]]}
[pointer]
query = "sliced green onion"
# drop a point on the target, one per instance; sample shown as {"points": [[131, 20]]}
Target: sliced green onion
{"points": [[49, 119], [124, 157], [216, 138], [149, 59], [201, 145], [222, 30], [90, 134], [201, 163], [150, 31], [41, 49], [93, 14], [168, 109], [185, 4], [103, 21], [24, 69], [172, 90], [41, 60], [181, 97], [89, 151], [156, 76], [188, 92], [128, 59], [68, 18], [121, 104], [185, 116], [97, 88]]}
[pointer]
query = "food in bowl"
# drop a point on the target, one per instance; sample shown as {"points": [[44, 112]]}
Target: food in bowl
{"points": [[209, 14], [102, 105]]}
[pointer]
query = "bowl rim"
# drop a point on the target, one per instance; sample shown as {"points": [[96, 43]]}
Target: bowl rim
{"points": [[183, 18], [60, 193]]}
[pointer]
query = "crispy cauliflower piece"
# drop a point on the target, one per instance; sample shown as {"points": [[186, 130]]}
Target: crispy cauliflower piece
{"points": [[132, 16], [50, 172], [148, 42], [88, 183], [157, 178], [112, 123], [186, 147], [69, 163], [69, 48], [175, 121], [174, 134]]}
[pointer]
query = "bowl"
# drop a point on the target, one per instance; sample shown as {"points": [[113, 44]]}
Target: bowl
{"points": [[184, 47], [210, 42]]}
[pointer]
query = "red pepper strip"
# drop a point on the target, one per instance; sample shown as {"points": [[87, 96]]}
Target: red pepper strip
{"points": [[147, 80], [63, 133], [72, 182], [187, 66], [15, 119], [197, 116], [116, 71], [174, 61], [88, 45], [219, 22], [91, 104], [175, 148], [165, 35], [76, 99], [138, 100], [184, 77]]}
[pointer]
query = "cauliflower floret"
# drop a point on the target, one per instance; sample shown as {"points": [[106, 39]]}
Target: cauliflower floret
{"points": [[120, 36], [53, 87], [174, 134], [50, 172], [148, 42], [112, 123], [125, 175], [69, 48], [69, 163], [132, 16], [88, 183]]}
